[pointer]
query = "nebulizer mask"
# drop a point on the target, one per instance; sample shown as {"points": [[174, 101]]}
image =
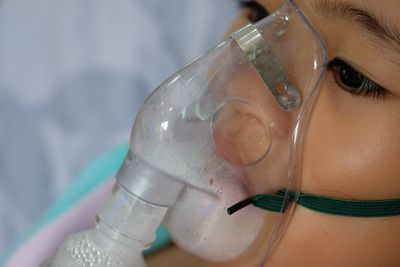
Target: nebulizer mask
{"points": [[224, 128]]}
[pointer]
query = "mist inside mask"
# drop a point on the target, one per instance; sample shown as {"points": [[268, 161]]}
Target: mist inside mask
{"points": [[225, 127]]}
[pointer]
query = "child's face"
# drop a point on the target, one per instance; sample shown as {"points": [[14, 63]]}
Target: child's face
{"points": [[352, 147]]}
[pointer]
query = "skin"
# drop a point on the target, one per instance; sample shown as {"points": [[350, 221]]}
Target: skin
{"points": [[352, 150]]}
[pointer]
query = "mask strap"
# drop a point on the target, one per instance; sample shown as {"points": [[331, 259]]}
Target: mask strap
{"points": [[336, 206]]}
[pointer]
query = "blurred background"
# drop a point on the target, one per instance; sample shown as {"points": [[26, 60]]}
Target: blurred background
{"points": [[72, 76]]}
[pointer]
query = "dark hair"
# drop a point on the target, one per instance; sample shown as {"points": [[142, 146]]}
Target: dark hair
{"points": [[257, 11]]}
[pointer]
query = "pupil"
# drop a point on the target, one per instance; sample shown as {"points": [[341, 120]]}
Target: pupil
{"points": [[351, 77]]}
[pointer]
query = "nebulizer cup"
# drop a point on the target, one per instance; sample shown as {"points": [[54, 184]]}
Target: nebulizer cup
{"points": [[227, 126]]}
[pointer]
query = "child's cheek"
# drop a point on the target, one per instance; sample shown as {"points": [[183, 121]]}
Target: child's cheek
{"points": [[351, 150]]}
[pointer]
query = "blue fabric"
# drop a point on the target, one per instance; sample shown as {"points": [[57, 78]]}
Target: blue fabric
{"points": [[73, 74]]}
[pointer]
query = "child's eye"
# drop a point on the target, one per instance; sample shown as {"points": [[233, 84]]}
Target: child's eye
{"points": [[256, 11], [353, 81]]}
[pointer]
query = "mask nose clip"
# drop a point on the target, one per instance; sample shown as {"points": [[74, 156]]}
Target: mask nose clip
{"points": [[250, 40]]}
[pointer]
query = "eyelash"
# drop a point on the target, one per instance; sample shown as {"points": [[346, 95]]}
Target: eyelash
{"points": [[353, 81], [257, 11], [346, 76]]}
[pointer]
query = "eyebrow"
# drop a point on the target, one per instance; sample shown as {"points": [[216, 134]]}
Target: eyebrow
{"points": [[369, 22]]}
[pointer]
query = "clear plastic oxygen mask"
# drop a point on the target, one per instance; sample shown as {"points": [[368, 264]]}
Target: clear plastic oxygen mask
{"points": [[225, 127]]}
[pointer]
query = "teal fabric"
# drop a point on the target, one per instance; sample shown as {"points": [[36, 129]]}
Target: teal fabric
{"points": [[93, 176]]}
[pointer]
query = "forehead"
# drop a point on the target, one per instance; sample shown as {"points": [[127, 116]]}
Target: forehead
{"points": [[354, 28], [368, 21], [389, 9]]}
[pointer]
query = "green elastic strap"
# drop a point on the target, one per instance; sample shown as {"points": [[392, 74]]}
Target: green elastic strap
{"points": [[336, 206]]}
